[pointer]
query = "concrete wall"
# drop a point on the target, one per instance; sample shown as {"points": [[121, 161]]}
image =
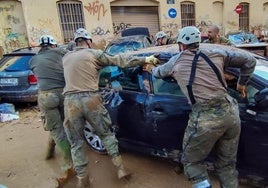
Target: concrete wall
{"points": [[24, 21]]}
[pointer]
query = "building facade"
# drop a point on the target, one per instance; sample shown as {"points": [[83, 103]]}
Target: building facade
{"points": [[24, 21]]}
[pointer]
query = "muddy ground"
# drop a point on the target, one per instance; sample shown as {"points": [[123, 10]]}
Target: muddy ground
{"points": [[22, 164]]}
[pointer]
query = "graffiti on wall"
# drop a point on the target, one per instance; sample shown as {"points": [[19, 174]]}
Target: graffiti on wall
{"points": [[7, 9], [45, 22], [96, 8], [35, 34], [44, 27], [13, 20], [203, 25], [11, 35], [171, 29], [120, 27], [100, 31], [13, 40]]}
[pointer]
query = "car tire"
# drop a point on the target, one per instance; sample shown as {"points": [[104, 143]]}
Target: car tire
{"points": [[93, 140]]}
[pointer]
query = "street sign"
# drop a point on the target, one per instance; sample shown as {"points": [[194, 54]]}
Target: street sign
{"points": [[172, 13], [238, 9]]}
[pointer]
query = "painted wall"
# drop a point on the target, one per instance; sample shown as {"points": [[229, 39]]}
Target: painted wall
{"points": [[24, 21], [13, 33]]}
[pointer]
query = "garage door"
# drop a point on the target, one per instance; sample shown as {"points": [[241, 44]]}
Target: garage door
{"points": [[124, 17]]}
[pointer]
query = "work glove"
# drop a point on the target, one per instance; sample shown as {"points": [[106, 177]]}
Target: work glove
{"points": [[241, 89], [152, 60], [148, 67]]}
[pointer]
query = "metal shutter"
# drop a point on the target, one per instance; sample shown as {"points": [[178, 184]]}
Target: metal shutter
{"points": [[135, 16]]}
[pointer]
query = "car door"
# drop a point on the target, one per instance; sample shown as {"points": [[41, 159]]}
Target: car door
{"points": [[166, 113], [253, 144], [130, 114]]}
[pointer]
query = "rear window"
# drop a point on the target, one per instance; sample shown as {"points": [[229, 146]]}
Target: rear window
{"points": [[15, 63], [124, 47]]}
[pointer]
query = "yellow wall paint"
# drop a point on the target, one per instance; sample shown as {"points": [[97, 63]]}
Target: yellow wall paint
{"points": [[41, 17]]}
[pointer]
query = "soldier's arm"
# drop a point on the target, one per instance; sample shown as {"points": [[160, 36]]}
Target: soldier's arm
{"points": [[242, 60], [165, 69], [121, 60]]}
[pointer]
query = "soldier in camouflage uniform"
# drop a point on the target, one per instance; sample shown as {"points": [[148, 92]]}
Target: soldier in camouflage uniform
{"points": [[214, 120], [214, 36], [83, 102], [162, 39], [47, 66]]}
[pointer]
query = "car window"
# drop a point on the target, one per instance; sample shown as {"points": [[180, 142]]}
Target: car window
{"points": [[127, 77], [251, 90], [123, 47], [15, 63], [262, 71], [166, 87]]}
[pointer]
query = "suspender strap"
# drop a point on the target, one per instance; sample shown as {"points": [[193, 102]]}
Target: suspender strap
{"points": [[192, 76], [214, 68], [193, 70]]}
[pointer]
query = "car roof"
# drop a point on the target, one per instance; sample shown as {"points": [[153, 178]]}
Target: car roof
{"points": [[129, 38], [24, 51], [166, 51]]}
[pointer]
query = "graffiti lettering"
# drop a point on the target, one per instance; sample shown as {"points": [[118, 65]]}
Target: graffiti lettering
{"points": [[202, 25], [10, 8], [7, 31], [12, 42], [170, 26], [99, 31], [96, 9], [121, 27], [45, 22], [13, 19], [171, 29], [35, 34]]}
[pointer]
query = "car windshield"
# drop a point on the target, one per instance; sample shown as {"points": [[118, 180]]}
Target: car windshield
{"points": [[15, 63], [123, 47]]}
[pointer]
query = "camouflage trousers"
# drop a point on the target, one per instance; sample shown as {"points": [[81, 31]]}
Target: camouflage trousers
{"points": [[51, 107], [82, 107], [214, 124]]}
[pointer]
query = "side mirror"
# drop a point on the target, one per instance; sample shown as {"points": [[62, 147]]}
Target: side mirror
{"points": [[261, 98]]}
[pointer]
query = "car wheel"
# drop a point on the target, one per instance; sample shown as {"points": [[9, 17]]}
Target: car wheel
{"points": [[93, 140]]}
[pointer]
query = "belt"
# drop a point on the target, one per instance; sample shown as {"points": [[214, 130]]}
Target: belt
{"points": [[213, 103], [82, 93], [51, 90]]}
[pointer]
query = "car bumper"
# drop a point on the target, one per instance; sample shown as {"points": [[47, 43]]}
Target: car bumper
{"points": [[19, 96]]}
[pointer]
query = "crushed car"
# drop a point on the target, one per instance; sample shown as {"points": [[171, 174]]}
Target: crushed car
{"points": [[152, 114]]}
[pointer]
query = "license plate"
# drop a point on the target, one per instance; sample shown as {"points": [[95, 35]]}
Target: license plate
{"points": [[8, 81]]}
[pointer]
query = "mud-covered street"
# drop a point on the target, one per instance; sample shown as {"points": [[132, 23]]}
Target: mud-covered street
{"points": [[22, 164]]}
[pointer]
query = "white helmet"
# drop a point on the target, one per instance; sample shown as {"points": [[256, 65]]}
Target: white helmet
{"points": [[47, 40], [160, 35], [189, 35], [82, 33]]}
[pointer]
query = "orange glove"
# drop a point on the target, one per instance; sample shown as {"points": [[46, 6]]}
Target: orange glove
{"points": [[241, 89]]}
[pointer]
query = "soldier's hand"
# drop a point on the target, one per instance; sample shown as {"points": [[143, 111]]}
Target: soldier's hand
{"points": [[148, 67], [152, 60], [241, 89]]}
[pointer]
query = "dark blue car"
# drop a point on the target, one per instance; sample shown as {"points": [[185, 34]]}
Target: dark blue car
{"points": [[151, 115]]}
